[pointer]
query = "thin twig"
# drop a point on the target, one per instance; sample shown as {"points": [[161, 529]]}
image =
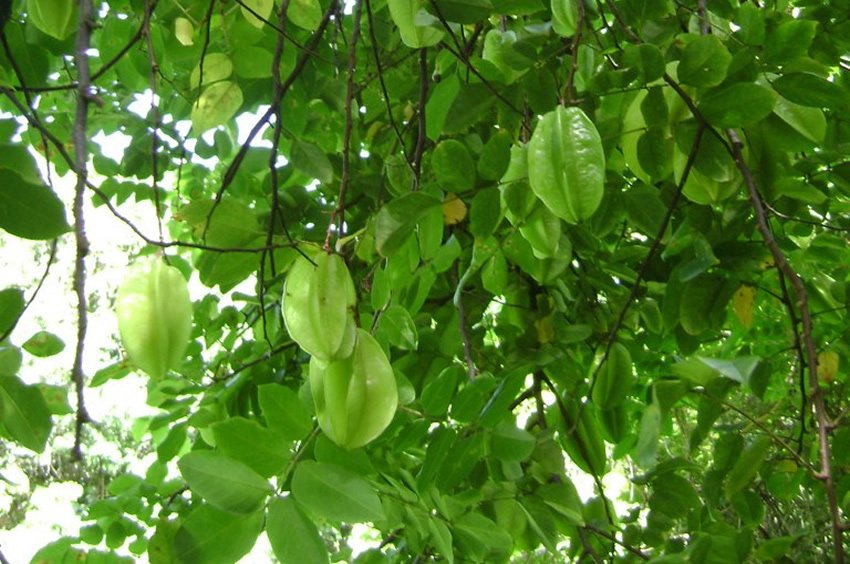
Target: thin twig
{"points": [[32, 297]]}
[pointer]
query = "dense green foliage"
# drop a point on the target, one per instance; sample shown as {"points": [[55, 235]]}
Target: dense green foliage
{"points": [[591, 236]]}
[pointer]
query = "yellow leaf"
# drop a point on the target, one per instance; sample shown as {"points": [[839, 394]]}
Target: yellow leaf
{"points": [[545, 330], [454, 210], [744, 302], [183, 31], [260, 7], [828, 366]]}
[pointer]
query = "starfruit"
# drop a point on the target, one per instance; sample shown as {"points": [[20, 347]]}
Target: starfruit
{"points": [[355, 397], [318, 304], [614, 379], [566, 164], [154, 313]]}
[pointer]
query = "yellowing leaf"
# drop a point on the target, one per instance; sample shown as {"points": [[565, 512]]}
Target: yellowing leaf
{"points": [[261, 7], [216, 106], [828, 366], [545, 330], [217, 67], [454, 210], [183, 31], [743, 302]]}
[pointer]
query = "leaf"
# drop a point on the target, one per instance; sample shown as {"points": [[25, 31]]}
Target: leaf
{"points": [[397, 219], [184, 31], [441, 536], [480, 537], [44, 344], [737, 105], [284, 412], [306, 14], [334, 493], [564, 17], [646, 450], [217, 105], [828, 366], [11, 307], [255, 446], [646, 59], [744, 303], [453, 166], [217, 67], [739, 369], [398, 326], [294, 538], [704, 63], [310, 160], [790, 40], [212, 535], [566, 164], [405, 15], [809, 89], [464, 11], [10, 358], [25, 414], [809, 122], [261, 7], [56, 18], [747, 466], [438, 106], [226, 483], [439, 392], [30, 211], [510, 443], [454, 210]]}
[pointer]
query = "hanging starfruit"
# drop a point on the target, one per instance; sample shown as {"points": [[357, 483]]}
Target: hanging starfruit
{"points": [[566, 164], [318, 302], [356, 397], [154, 313]]}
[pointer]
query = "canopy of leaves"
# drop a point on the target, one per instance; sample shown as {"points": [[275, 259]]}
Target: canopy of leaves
{"points": [[593, 237]]}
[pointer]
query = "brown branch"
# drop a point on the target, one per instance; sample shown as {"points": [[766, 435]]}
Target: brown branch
{"points": [[84, 29], [613, 538], [338, 214], [802, 302]]}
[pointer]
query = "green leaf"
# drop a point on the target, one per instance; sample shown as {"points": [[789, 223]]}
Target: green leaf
{"points": [[10, 358], [809, 122], [284, 412], [306, 14], [398, 327], [406, 15], [437, 108], [226, 483], [566, 164], [481, 538], [747, 466], [310, 160], [30, 211], [509, 443], [463, 11], [44, 344], [439, 392], [294, 538], [255, 446], [564, 17], [217, 67], [453, 166], [25, 414], [704, 62], [217, 104], [738, 105], [212, 535], [809, 89], [397, 219], [334, 493], [673, 495], [11, 307], [790, 40], [646, 59], [56, 18], [646, 450], [261, 7]]}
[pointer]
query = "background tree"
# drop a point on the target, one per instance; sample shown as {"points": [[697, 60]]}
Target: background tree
{"points": [[601, 237]]}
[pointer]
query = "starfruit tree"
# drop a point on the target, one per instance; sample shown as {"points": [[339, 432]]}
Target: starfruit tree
{"points": [[492, 280]]}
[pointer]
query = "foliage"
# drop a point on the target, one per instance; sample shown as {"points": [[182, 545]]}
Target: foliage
{"points": [[591, 236]]}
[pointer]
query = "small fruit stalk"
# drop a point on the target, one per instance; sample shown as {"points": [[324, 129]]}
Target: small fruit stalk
{"points": [[154, 313]]}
